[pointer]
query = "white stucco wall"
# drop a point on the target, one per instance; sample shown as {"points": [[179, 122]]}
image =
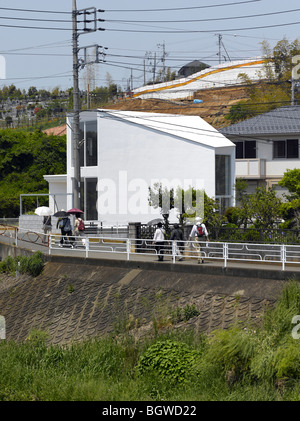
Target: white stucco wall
{"points": [[131, 158], [57, 190], [272, 168], [214, 77]]}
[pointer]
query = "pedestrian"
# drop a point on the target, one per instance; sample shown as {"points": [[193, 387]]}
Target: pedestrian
{"points": [[177, 236], [200, 235], [64, 224], [47, 226], [159, 241], [79, 226]]}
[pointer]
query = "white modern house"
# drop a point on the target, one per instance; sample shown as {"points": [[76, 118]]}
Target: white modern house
{"points": [[123, 153], [266, 146]]}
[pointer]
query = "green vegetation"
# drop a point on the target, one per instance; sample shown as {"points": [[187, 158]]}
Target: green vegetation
{"points": [[261, 216], [256, 362], [32, 265], [274, 89], [24, 159]]}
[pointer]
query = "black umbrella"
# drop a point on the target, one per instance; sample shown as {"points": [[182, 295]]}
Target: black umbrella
{"points": [[155, 221], [61, 214]]}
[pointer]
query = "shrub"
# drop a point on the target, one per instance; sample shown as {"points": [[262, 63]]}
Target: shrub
{"points": [[232, 349], [184, 314], [32, 265], [8, 265], [170, 359], [35, 264]]}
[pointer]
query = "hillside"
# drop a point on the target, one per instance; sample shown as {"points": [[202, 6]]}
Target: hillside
{"points": [[216, 104]]}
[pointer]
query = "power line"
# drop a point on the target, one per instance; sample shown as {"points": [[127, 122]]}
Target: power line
{"points": [[182, 8], [186, 31], [35, 27], [203, 20], [35, 11], [35, 19], [64, 74], [180, 127]]}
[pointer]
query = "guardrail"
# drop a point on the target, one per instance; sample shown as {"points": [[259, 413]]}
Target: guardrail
{"points": [[186, 250], [130, 248], [16, 234]]}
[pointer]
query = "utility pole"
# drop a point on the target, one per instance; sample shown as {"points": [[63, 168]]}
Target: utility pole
{"points": [[154, 67], [76, 101], [76, 111], [220, 43], [163, 59]]}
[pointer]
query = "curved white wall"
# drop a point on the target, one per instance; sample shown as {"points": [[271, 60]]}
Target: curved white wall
{"points": [[223, 75]]}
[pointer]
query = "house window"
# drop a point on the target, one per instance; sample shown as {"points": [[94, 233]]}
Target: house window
{"points": [[223, 181], [91, 143], [223, 175], [88, 151], [245, 149], [88, 198], [286, 148]]}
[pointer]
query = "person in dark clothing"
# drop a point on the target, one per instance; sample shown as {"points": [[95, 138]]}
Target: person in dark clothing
{"points": [[64, 224], [177, 235]]}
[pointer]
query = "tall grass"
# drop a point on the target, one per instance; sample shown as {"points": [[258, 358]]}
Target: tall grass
{"points": [[32, 265], [257, 363]]}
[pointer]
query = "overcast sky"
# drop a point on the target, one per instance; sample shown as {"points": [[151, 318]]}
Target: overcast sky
{"points": [[36, 43]]}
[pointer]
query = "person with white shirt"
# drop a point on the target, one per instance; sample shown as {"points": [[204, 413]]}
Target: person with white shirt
{"points": [[199, 233], [158, 240]]}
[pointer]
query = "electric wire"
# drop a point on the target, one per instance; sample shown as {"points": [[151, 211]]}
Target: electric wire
{"points": [[34, 11], [182, 8], [184, 128], [204, 20], [188, 31]]}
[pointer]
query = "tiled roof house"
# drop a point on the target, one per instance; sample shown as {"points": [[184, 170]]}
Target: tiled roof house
{"points": [[266, 146]]}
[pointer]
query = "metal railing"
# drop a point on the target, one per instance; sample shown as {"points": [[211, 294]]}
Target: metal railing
{"points": [[16, 234], [143, 249], [280, 254]]}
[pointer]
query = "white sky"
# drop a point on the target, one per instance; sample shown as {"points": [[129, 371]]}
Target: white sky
{"points": [[43, 57]]}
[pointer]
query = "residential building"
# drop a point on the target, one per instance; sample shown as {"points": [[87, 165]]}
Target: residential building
{"points": [[266, 146], [123, 153]]}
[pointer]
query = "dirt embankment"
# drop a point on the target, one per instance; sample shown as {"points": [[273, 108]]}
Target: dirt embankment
{"points": [[216, 104]]}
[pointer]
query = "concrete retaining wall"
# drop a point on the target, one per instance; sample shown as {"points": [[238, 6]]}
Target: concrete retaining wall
{"points": [[77, 298]]}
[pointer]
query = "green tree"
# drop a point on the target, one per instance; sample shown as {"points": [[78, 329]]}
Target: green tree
{"points": [[192, 203], [291, 208], [265, 208], [25, 157], [274, 88], [162, 198], [291, 180], [32, 92]]}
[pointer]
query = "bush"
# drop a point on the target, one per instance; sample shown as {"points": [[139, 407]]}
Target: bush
{"points": [[266, 353], [32, 265], [8, 265], [35, 264], [170, 359], [184, 314]]}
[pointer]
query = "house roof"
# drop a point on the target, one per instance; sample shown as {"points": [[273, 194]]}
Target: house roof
{"points": [[281, 121], [192, 128]]}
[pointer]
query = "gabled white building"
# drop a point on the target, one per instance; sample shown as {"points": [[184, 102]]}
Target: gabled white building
{"points": [[123, 153]]}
